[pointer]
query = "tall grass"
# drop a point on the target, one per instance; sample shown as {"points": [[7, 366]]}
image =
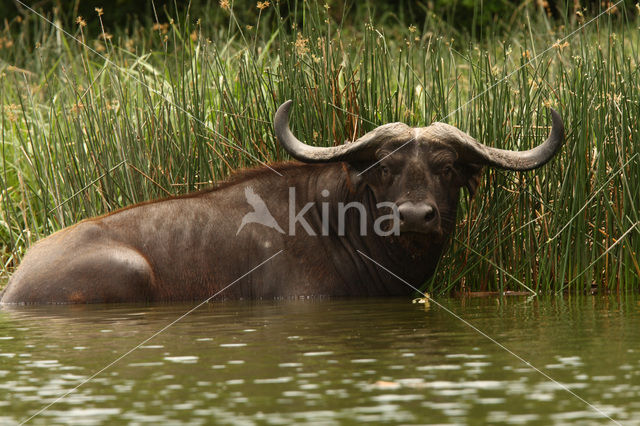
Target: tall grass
{"points": [[170, 107]]}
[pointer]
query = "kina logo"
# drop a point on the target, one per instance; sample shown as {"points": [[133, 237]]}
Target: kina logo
{"points": [[260, 213]]}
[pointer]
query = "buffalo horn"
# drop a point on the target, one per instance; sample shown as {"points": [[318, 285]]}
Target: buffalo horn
{"points": [[361, 150], [471, 151]]}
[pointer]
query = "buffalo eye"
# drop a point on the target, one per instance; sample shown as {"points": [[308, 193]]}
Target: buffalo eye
{"points": [[447, 171], [384, 172]]}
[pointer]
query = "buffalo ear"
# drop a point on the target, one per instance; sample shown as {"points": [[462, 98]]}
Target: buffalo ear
{"points": [[471, 175]]}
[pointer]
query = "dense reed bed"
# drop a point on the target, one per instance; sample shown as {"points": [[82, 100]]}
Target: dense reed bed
{"points": [[97, 118]]}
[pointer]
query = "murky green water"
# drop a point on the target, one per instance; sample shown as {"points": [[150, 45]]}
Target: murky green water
{"points": [[325, 362]]}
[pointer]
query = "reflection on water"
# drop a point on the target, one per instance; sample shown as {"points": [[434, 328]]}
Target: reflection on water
{"points": [[324, 361]]}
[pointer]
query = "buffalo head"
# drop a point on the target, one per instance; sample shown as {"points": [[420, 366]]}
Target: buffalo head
{"points": [[421, 170]]}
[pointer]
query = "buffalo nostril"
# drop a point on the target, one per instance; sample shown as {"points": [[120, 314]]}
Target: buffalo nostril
{"points": [[429, 214], [417, 216]]}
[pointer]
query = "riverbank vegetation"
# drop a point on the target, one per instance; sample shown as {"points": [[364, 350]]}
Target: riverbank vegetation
{"points": [[95, 117]]}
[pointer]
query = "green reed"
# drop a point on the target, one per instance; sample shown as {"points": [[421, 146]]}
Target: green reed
{"points": [[169, 107]]}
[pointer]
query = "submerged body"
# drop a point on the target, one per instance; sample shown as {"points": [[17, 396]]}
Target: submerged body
{"points": [[248, 238], [186, 248]]}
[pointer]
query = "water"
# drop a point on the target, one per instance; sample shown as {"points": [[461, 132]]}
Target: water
{"points": [[325, 362]]}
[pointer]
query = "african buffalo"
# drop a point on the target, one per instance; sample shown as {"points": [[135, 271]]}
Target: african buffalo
{"points": [[392, 195]]}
